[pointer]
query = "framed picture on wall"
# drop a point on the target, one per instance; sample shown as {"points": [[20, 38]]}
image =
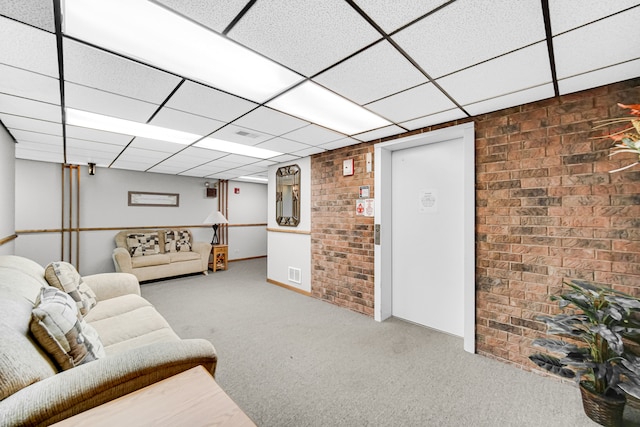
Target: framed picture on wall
{"points": [[146, 198]]}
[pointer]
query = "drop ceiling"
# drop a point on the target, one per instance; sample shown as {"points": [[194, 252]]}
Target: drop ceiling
{"points": [[408, 63]]}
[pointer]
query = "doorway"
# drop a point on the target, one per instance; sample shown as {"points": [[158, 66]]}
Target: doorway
{"points": [[425, 216]]}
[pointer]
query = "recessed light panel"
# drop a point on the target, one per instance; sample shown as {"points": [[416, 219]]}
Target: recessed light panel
{"points": [[152, 34], [316, 104]]}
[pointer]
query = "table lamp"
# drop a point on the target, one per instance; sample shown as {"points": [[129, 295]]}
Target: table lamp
{"points": [[215, 218]]}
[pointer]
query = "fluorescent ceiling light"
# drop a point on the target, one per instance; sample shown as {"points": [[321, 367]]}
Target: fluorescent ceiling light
{"points": [[254, 178], [316, 104], [126, 127], [157, 36], [235, 148]]}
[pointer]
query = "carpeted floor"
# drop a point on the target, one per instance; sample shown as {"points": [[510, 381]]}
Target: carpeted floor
{"points": [[291, 360]]}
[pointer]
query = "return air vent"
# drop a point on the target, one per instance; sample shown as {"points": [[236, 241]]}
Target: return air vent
{"points": [[294, 275], [247, 134]]}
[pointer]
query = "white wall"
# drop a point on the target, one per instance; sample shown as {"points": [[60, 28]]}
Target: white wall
{"points": [[104, 203], [7, 191], [290, 249]]}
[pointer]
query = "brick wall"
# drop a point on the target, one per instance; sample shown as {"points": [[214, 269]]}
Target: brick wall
{"points": [[546, 208]]}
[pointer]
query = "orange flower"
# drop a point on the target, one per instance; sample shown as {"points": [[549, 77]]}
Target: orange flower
{"points": [[635, 108]]}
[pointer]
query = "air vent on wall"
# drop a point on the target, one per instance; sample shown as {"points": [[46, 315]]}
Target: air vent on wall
{"points": [[294, 275]]}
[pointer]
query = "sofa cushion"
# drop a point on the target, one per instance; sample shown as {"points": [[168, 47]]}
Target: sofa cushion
{"points": [[184, 256], [150, 260], [141, 244], [183, 241], [61, 331], [65, 277], [169, 241]]}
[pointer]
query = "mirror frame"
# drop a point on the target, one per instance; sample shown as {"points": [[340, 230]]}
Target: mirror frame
{"points": [[283, 175]]}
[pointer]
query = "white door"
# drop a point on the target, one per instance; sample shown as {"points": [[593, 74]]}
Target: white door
{"points": [[427, 236]]}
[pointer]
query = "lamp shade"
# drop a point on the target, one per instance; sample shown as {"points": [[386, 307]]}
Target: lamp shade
{"points": [[215, 217]]}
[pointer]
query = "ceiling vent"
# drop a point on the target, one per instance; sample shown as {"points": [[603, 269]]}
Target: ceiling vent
{"points": [[247, 134]]}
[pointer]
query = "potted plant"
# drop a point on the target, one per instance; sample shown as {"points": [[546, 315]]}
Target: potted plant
{"points": [[626, 139], [595, 322]]}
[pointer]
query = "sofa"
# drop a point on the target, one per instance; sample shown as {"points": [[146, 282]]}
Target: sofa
{"points": [[117, 342], [157, 254]]}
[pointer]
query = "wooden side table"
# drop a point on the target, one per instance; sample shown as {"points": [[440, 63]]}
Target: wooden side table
{"points": [[191, 398], [219, 257]]}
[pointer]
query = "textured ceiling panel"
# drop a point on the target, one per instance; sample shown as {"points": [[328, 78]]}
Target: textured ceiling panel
{"points": [[213, 14], [569, 14], [28, 108], [24, 123], [18, 82], [511, 100], [38, 13], [454, 38], [140, 155], [27, 47], [270, 121], [309, 151], [198, 99], [516, 71], [131, 165], [616, 73], [373, 74], [391, 15], [195, 155], [282, 145], [97, 136], [339, 143], [306, 38], [98, 69], [585, 49], [413, 103], [313, 135], [179, 120], [434, 119], [109, 104], [379, 133], [40, 138], [155, 145], [38, 154], [240, 135]]}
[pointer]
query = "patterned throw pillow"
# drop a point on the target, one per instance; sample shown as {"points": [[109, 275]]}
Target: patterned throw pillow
{"points": [[65, 277], [141, 244], [61, 331], [183, 241], [169, 241]]}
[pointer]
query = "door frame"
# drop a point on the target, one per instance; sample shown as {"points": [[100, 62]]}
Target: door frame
{"points": [[383, 256]]}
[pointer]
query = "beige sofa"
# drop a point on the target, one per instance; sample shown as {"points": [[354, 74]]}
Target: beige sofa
{"points": [[156, 254], [139, 346]]}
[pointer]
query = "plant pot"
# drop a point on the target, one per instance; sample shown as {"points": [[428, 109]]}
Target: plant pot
{"points": [[603, 409]]}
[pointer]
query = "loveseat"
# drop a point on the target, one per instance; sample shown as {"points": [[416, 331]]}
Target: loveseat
{"points": [[117, 343], [156, 254]]}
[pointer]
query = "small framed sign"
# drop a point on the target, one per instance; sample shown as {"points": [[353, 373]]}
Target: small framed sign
{"points": [[145, 198]]}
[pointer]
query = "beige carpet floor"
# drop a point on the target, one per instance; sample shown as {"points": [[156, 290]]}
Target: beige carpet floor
{"points": [[291, 360]]}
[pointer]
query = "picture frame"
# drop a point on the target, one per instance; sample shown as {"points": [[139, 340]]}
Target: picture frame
{"points": [[147, 198]]}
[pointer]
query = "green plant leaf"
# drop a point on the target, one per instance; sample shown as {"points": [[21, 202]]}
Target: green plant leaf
{"points": [[558, 346], [552, 364], [631, 389], [614, 340]]}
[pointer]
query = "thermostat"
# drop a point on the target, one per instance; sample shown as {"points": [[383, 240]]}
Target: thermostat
{"points": [[347, 167]]}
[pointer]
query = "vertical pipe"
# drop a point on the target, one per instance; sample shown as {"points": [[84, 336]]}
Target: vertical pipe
{"points": [[70, 210], [62, 211], [78, 218]]}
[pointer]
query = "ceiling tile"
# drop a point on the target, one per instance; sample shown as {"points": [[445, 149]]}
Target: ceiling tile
{"points": [[514, 72], [18, 82], [38, 13], [569, 14], [416, 102], [285, 158], [155, 145], [38, 146], [512, 99], [202, 171], [434, 119], [454, 37], [179, 120], [39, 155], [309, 151], [213, 14], [375, 73], [28, 108], [600, 77], [81, 152], [198, 99], [131, 165], [340, 143], [194, 155], [379, 133], [98, 69], [98, 136], [391, 15], [97, 147], [266, 120], [313, 135], [109, 104], [40, 138], [24, 123], [240, 135], [170, 170], [26, 47], [307, 37], [235, 160], [282, 145], [586, 49]]}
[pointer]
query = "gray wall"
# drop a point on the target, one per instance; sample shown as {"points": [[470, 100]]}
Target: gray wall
{"points": [[7, 191], [104, 203]]}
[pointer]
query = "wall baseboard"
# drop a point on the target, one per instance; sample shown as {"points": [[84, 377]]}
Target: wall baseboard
{"points": [[291, 288], [248, 258]]}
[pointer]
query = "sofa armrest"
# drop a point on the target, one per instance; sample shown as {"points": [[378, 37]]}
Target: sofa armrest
{"points": [[111, 285], [122, 260], [86, 386], [204, 249]]}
